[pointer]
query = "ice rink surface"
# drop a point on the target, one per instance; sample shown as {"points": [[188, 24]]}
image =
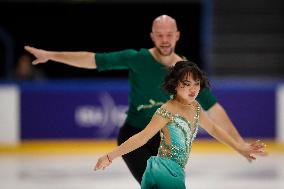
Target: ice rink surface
{"points": [[75, 171]]}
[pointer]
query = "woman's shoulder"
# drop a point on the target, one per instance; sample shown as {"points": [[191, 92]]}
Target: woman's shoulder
{"points": [[166, 106], [164, 110]]}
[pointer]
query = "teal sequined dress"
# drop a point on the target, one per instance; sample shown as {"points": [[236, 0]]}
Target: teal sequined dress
{"points": [[166, 170]]}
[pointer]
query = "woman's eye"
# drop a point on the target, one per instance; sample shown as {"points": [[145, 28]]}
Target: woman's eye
{"points": [[186, 84]]}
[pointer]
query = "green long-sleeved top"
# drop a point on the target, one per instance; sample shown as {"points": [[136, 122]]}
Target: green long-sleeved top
{"points": [[146, 76]]}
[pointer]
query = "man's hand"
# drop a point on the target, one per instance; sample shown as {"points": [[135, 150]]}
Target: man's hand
{"points": [[41, 55], [250, 150]]}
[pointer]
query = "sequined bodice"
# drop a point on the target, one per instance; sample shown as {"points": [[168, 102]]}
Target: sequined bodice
{"points": [[177, 136]]}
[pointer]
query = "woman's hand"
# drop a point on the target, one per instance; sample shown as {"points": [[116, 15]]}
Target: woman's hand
{"points": [[250, 150], [103, 162]]}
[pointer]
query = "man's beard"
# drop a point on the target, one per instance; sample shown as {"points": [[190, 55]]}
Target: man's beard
{"points": [[165, 54]]}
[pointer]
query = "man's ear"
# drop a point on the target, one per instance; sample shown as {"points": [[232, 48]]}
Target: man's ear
{"points": [[152, 36], [177, 35]]}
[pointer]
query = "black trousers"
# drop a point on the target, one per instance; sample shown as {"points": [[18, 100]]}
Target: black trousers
{"points": [[136, 160]]}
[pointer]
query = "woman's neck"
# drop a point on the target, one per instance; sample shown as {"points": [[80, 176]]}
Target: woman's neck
{"points": [[182, 103]]}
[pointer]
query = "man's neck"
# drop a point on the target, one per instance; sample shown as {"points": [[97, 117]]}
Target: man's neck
{"points": [[165, 60]]}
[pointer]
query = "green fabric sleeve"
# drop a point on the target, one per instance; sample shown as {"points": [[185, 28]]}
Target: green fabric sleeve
{"points": [[206, 99], [115, 60]]}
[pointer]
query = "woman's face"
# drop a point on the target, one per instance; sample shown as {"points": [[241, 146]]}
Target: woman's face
{"points": [[188, 88]]}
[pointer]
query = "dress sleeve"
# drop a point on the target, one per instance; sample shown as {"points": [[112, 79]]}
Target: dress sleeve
{"points": [[164, 113]]}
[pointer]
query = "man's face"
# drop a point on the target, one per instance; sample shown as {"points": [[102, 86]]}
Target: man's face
{"points": [[165, 40], [165, 36]]}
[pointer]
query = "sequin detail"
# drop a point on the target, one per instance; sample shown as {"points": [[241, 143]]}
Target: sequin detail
{"points": [[181, 132]]}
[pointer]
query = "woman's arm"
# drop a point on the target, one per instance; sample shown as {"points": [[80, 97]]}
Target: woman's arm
{"points": [[247, 150], [134, 142]]}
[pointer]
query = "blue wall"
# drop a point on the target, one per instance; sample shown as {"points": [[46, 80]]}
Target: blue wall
{"points": [[96, 109]]}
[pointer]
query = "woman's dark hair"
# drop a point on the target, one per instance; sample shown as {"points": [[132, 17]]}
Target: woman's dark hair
{"points": [[179, 71]]}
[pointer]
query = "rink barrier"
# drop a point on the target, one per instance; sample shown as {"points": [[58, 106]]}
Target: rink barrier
{"points": [[95, 109]]}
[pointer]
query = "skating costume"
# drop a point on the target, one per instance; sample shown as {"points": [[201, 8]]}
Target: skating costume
{"points": [[166, 170]]}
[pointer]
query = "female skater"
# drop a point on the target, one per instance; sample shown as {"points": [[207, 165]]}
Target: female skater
{"points": [[177, 120]]}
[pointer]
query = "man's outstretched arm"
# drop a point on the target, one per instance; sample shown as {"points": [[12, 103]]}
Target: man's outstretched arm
{"points": [[218, 114], [81, 59]]}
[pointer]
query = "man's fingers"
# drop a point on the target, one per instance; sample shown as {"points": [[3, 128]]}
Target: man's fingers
{"points": [[37, 61], [258, 144], [28, 48], [261, 152]]}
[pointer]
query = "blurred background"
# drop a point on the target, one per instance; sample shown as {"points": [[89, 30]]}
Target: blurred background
{"points": [[55, 119]]}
